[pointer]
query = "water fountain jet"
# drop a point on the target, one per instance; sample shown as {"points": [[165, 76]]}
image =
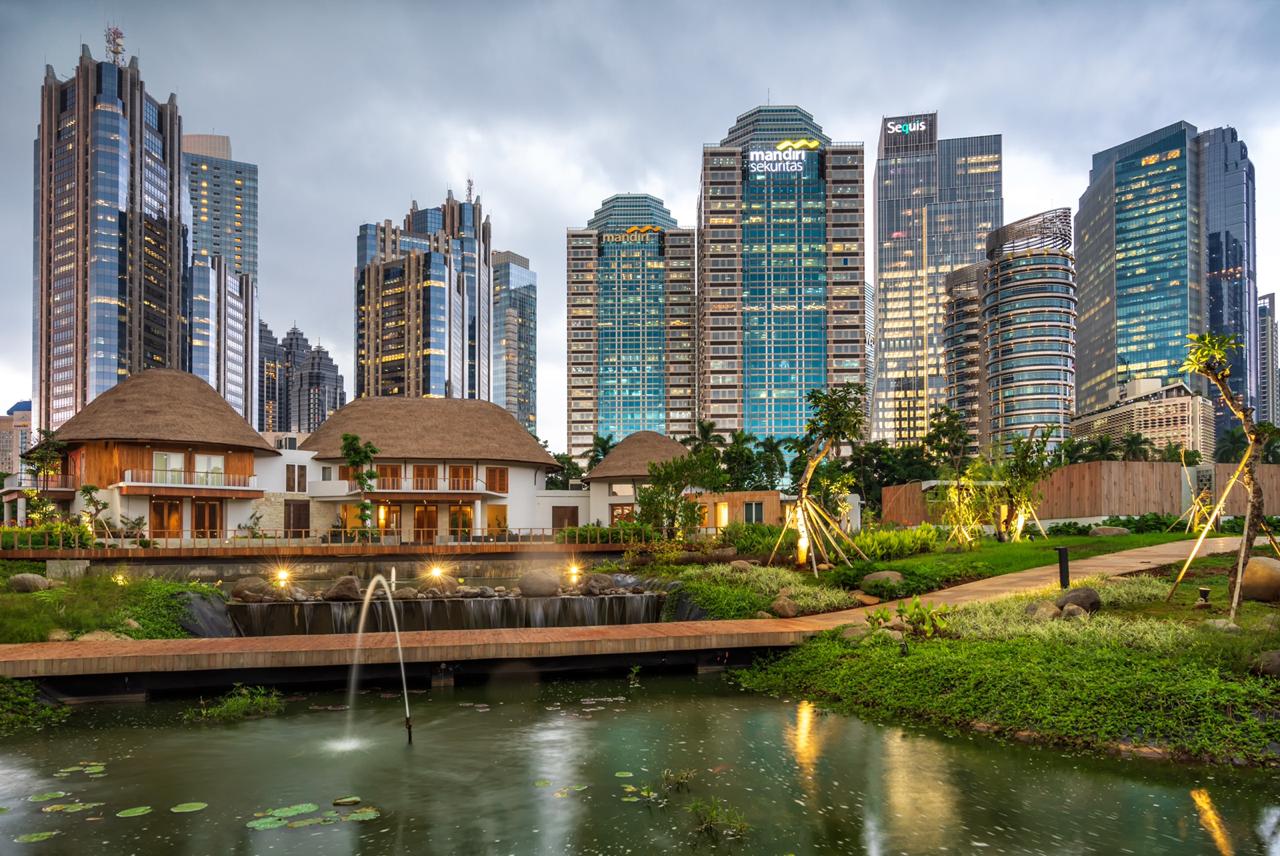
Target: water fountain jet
{"points": [[354, 681]]}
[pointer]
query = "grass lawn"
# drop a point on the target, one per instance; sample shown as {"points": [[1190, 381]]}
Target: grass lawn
{"points": [[1136, 675]]}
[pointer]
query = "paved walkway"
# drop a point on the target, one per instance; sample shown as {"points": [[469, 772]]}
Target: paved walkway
{"points": [[48, 659]]}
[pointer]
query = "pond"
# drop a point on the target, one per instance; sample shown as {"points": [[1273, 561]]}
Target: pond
{"points": [[518, 767]]}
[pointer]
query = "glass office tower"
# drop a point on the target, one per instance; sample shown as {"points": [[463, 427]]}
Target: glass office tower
{"points": [[272, 385], [220, 309], [631, 336], [224, 202], [109, 240], [1140, 255], [515, 337], [781, 271], [1268, 367], [936, 200]]}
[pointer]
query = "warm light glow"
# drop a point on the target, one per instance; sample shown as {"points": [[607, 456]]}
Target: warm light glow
{"points": [[282, 577], [1212, 821], [120, 579], [436, 570]]}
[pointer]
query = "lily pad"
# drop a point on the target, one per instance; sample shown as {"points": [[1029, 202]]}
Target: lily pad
{"points": [[52, 807], [542, 783], [623, 774], [96, 768], [561, 794], [308, 821], [187, 808], [75, 769], [46, 796], [267, 823], [580, 787], [352, 800], [4, 810], [32, 837], [295, 810], [631, 799], [61, 775], [136, 811], [363, 814], [75, 807]]}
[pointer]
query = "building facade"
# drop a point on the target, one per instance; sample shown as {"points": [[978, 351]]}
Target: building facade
{"points": [[109, 239], [272, 384], [1163, 413], [631, 330], [424, 303], [316, 390], [515, 338], [1268, 368], [781, 271], [224, 202], [1231, 263], [964, 348], [936, 200], [220, 308]]}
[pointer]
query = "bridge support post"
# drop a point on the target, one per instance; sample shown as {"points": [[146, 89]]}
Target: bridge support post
{"points": [[711, 661], [442, 677]]}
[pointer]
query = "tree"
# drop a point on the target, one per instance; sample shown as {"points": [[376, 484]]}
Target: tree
{"points": [[1103, 448], [600, 448], [877, 463], [1135, 447], [771, 461], [570, 471], [1072, 451], [947, 443], [662, 503], [704, 437], [1230, 447], [94, 506], [43, 460], [359, 457], [740, 463], [1174, 453]]}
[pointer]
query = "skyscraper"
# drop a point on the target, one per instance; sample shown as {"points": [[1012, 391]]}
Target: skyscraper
{"points": [[220, 309], [316, 390], [1140, 255], [936, 200], [224, 202], [1231, 272], [781, 271], [1268, 365], [424, 303], [273, 387], [631, 323], [515, 337], [109, 238]]}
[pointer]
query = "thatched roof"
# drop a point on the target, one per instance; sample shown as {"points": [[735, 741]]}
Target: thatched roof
{"points": [[430, 429], [163, 406], [631, 457]]}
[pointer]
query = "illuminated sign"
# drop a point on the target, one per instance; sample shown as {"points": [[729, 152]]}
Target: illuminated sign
{"points": [[910, 131], [895, 126], [788, 145], [629, 237], [773, 160]]}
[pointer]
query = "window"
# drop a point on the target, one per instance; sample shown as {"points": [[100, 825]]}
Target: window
{"points": [[167, 467], [495, 519], [496, 480], [326, 474], [424, 476], [563, 515], [621, 489], [210, 469], [722, 515], [388, 476], [753, 512], [295, 478], [460, 521], [461, 478], [621, 512]]}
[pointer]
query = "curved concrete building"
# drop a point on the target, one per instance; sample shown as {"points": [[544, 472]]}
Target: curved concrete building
{"points": [[962, 347]]}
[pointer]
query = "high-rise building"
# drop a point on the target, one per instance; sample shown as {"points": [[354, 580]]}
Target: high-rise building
{"points": [[273, 386], [1163, 413], [221, 313], [224, 202], [1268, 367], [781, 271], [316, 390], [109, 236], [515, 337], [424, 303], [963, 349], [1140, 255], [936, 200], [1231, 272], [15, 436], [631, 333]]}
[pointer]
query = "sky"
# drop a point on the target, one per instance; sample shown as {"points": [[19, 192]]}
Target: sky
{"points": [[351, 111]]}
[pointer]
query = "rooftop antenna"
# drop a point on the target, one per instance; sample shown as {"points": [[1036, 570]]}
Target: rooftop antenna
{"points": [[768, 97], [115, 44], [470, 186]]}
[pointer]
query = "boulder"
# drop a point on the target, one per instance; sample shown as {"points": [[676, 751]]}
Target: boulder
{"points": [[27, 583], [343, 589], [540, 584], [445, 583], [256, 586], [741, 565], [763, 614], [895, 635], [897, 624], [892, 577], [1072, 611], [206, 615], [467, 591], [823, 566], [1268, 663], [1222, 624], [856, 631], [485, 591], [722, 554], [1084, 597], [431, 593], [404, 593], [1261, 580], [1043, 610], [784, 607], [865, 599], [57, 634], [104, 636], [1103, 531], [597, 584], [297, 594], [499, 589]]}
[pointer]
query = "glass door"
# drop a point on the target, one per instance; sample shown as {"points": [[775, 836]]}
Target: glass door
{"points": [[206, 518], [166, 518], [425, 523], [460, 522]]}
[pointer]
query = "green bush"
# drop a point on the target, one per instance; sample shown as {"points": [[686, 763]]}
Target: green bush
{"points": [[1149, 522], [918, 578], [98, 603], [725, 593], [1068, 527], [883, 544], [48, 535], [758, 539], [241, 703], [21, 709], [9, 567], [625, 532]]}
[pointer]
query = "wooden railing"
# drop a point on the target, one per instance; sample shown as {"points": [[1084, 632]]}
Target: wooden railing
{"points": [[189, 478]]}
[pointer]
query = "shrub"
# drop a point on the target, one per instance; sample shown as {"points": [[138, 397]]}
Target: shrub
{"points": [[1149, 522], [884, 544], [46, 536], [9, 567], [98, 603], [724, 593], [241, 703], [624, 532], [22, 710], [757, 539], [1068, 527]]}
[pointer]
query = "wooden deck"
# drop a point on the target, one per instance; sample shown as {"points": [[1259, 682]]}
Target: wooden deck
{"points": [[60, 659], [280, 551]]}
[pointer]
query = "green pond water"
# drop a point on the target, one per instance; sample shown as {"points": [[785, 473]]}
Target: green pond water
{"points": [[515, 767]]}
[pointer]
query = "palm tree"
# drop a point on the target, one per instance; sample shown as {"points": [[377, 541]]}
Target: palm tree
{"points": [[1231, 446], [1103, 448], [772, 456], [1072, 451], [704, 436], [600, 447], [1135, 447]]}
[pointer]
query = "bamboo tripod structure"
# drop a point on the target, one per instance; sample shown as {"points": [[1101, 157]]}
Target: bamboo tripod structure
{"points": [[809, 519], [1208, 526]]}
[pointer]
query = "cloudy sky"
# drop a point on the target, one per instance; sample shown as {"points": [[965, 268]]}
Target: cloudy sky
{"points": [[353, 110]]}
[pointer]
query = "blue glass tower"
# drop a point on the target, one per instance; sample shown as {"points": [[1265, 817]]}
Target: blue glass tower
{"points": [[515, 337]]}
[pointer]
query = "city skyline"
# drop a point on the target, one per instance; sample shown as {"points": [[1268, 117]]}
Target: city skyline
{"points": [[537, 177]]}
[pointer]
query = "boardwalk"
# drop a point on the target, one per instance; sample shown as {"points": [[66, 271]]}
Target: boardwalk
{"points": [[57, 659]]}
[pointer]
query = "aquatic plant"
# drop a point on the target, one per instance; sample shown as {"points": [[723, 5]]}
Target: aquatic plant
{"points": [[22, 710], [716, 819], [240, 703]]}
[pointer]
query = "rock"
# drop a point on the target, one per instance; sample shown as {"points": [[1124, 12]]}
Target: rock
{"points": [[597, 584], [1043, 610], [823, 566], [1084, 597], [722, 554], [206, 616], [856, 631], [54, 584], [467, 591], [1222, 624], [865, 599], [883, 576], [540, 584], [27, 583], [104, 636], [298, 594], [256, 586], [895, 635], [1268, 663], [499, 589], [131, 624], [445, 583], [1072, 611], [741, 565], [1261, 580], [404, 593], [1103, 531], [57, 634], [784, 607], [763, 614], [430, 593], [485, 591], [343, 589], [897, 624]]}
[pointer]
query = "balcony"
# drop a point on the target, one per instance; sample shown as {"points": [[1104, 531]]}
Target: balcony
{"points": [[348, 487], [51, 482], [188, 478]]}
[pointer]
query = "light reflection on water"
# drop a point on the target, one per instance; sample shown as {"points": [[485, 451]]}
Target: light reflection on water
{"points": [[520, 768]]}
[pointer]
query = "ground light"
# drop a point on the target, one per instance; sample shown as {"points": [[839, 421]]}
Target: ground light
{"points": [[282, 577]]}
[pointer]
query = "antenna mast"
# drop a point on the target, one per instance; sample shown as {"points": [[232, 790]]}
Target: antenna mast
{"points": [[115, 44]]}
